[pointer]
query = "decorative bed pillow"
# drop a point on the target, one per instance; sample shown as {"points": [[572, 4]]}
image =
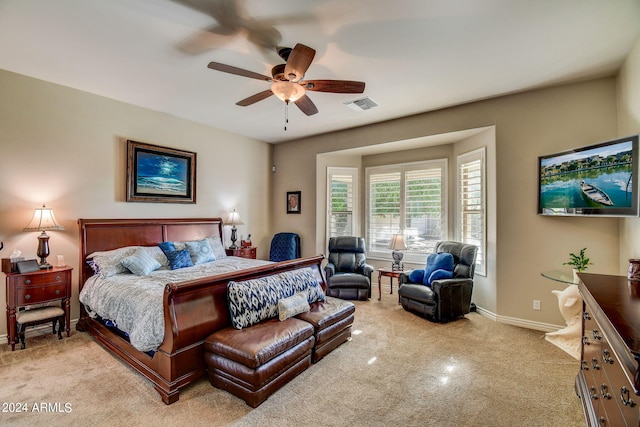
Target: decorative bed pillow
{"points": [[177, 258], [255, 300], [442, 261], [141, 263], [303, 280], [167, 247], [252, 301], [94, 266], [218, 247], [200, 251], [295, 304], [156, 253], [109, 263]]}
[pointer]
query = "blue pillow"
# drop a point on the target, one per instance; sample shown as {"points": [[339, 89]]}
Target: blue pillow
{"points": [[443, 261], [416, 276], [440, 274], [179, 259], [167, 247]]}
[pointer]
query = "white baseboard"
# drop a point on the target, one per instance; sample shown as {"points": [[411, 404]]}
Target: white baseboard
{"points": [[522, 323]]}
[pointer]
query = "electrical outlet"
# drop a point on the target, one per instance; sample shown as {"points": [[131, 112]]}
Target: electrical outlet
{"points": [[536, 304]]}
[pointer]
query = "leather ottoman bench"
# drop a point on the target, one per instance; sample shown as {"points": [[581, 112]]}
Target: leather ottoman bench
{"points": [[253, 363], [332, 320]]}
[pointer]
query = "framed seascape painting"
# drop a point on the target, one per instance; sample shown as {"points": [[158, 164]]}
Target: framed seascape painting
{"points": [[293, 202], [160, 174]]}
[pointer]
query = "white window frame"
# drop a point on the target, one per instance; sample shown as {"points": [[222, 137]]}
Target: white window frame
{"points": [[462, 160], [409, 255], [354, 173]]}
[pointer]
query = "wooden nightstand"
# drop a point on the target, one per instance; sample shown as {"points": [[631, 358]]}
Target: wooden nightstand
{"points": [[30, 289], [243, 252]]}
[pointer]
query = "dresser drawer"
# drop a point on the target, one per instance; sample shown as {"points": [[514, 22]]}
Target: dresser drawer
{"points": [[620, 389], [243, 252], [40, 279], [35, 294]]}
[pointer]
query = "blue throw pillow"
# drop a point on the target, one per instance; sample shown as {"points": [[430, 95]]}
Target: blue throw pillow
{"points": [[440, 274], [416, 276], [179, 259], [167, 247], [443, 261]]}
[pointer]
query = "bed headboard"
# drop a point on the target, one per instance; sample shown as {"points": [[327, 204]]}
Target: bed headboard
{"points": [[107, 234]]}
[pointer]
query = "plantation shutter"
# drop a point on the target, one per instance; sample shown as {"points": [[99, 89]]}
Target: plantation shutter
{"points": [[472, 222], [340, 216], [407, 198], [423, 207], [384, 208]]}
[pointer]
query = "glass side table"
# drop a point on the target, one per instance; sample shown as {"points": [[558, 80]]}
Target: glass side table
{"points": [[560, 276]]}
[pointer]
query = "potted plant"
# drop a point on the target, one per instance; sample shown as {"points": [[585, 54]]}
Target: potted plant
{"points": [[578, 263]]}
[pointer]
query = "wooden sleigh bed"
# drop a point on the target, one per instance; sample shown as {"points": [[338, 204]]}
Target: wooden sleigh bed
{"points": [[192, 310]]}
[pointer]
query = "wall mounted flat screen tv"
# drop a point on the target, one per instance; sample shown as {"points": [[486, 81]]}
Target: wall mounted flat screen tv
{"points": [[600, 179]]}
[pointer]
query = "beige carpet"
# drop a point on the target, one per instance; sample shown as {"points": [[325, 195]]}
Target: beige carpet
{"points": [[398, 369]]}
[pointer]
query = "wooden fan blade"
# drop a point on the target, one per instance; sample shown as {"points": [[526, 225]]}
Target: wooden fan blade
{"points": [[306, 105], [334, 86], [298, 62], [255, 98], [237, 71]]}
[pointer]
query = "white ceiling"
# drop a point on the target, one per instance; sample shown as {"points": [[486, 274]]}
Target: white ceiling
{"points": [[414, 55]]}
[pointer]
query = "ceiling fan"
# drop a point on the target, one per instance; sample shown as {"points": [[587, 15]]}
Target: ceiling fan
{"points": [[287, 81], [232, 19]]}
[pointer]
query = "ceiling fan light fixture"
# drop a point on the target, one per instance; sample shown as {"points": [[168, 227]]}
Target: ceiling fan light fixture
{"points": [[287, 91]]}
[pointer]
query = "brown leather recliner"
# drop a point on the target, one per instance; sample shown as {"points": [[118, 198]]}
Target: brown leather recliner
{"points": [[444, 299]]}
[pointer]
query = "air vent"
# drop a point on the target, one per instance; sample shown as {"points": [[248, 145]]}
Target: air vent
{"points": [[361, 104]]}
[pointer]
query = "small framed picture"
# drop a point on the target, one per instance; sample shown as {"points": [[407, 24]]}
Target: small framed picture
{"points": [[293, 202]]}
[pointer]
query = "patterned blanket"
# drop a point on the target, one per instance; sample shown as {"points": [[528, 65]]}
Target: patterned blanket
{"points": [[134, 303]]}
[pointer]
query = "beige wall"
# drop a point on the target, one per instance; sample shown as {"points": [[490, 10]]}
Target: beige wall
{"points": [[66, 148], [629, 124], [527, 125]]}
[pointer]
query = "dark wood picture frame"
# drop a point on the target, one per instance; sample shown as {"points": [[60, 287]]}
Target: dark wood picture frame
{"points": [[294, 202], [159, 174]]}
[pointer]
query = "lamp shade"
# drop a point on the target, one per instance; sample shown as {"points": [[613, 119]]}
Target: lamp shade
{"points": [[43, 219], [234, 218], [397, 242]]}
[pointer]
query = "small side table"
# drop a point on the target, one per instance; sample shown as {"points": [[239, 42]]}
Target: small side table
{"points": [[33, 289], [243, 252], [387, 272]]}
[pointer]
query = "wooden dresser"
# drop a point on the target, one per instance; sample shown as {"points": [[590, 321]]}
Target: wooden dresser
{"points": [[608, 383]]}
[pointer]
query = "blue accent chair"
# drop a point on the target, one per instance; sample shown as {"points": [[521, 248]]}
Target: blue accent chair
{"points": [[284, 246]]}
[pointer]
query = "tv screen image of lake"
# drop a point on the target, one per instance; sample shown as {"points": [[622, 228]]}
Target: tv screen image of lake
{"points": [[587, 182]]}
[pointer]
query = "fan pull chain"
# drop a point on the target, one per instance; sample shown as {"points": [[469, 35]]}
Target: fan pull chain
{"points": [[286, 114]]}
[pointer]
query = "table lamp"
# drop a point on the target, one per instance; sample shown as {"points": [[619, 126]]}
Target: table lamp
{"points": [[43, 220], [233, 220], [397, 245]]}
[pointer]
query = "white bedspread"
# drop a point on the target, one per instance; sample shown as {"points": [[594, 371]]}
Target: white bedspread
{"points": [[134, 303]]}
